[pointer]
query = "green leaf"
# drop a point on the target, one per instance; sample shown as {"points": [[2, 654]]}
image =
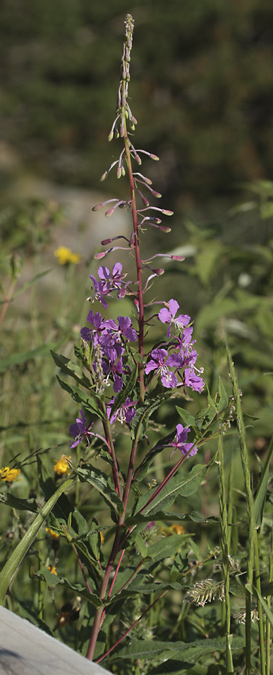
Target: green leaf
{"points": [[148, 649], [140, 420], [13, 563], [223, 397], [166, 547], [188, 419], [102, 483], [88, 401], [141, 471], [19, 504], [71, 369], [260, 497], [193, 517], [50, 578], [181, 485], [22, 357]]}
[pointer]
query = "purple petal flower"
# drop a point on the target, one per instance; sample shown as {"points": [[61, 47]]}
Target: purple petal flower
{"points": [[180, 441], [125, 328], [161, 362], [123, 414], [193, 381], [79, 430], [167, 315]]}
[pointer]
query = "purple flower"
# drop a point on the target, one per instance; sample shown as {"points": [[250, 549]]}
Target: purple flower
{"points": [[80, 431], [180, 442], [108, 282], [168, 316], [161, 362], [124, 414], [193, 381], [100, 327], [113, 337], [125, 328], [116, 369], [115, 279]]}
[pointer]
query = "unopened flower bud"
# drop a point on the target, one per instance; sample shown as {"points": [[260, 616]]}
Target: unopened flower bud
{"points": [[119, 172], [179, 258], [110, 136], [166, 212], [110, 211], [97, 207], [105, 242], [154, 157], [99, 256], [104, 175]]}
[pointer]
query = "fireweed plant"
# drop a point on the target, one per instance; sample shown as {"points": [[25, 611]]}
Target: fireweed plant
{"points": [[140, 552], [125, 385], [121, 384]]}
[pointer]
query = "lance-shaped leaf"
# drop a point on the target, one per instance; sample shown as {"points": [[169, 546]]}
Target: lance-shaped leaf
{"points": [[88, 401], [181, 485], [102, 483], [13, 563], [17, 503], [174, 517], [262, 488], [182, 651], [141, 471], [140, 420], [71, 369]]}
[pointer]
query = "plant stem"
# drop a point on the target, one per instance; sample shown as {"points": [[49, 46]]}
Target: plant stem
{"points": [[225, 552], [250, 509]]}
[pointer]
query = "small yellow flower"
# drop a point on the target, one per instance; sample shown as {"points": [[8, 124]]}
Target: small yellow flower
{"points": [[65, 256], [61, 465], [9, 475], [177, 529], [53, 534], [52, 569], [101, 538], [173, 529]]}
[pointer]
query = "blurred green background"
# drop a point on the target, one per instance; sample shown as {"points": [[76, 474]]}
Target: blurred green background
{"points": [[201, 89]]}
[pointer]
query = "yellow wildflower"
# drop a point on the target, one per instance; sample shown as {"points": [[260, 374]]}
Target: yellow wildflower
{"points": [[101, 537], [177, 529], [65, 256], [52, 569], [61, 465], [53, 534], [173, 529], [9, 475]]}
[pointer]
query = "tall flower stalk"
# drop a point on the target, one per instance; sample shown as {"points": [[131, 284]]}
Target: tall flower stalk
{"points": [[172, 365], [121, 383]]}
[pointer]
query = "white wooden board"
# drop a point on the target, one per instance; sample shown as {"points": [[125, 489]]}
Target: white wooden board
{"points": [[27, 650]]}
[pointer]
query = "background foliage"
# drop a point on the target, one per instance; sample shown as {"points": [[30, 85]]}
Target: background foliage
{"points": [[201, 87]]}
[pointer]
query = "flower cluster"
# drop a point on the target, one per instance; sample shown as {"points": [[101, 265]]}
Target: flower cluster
{"points": [[177, 362], [108, 339]]}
